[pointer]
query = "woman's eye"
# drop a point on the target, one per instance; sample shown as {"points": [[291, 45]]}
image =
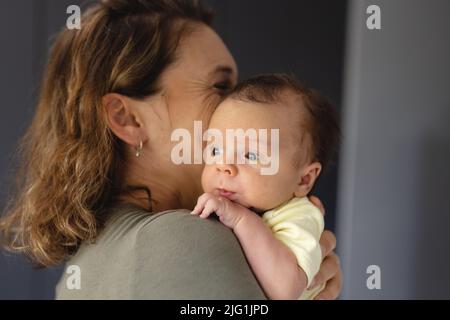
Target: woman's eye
{"points": [[251, 156], [215, 152], [223, 87]]}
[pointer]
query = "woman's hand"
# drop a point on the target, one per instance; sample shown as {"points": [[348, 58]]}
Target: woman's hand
{"points": [[330, 269]]}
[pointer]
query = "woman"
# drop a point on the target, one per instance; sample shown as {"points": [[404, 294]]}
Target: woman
{"points": [[98, 187]]}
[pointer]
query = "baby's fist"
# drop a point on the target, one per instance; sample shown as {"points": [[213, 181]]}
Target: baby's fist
{"points": [[207, 203], [229, 213]]}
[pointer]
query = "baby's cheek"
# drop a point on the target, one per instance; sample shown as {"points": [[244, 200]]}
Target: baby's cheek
{"points": [[265, 196]]}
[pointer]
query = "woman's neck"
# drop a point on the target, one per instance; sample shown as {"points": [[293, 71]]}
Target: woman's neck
{"points": [[170, 187]]}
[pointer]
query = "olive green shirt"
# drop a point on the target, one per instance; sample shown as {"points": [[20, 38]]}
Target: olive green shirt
{"points": [[168, 255]]}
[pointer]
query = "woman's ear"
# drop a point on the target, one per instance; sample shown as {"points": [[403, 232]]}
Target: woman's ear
{"points": [[308, 177], [122, 119]]}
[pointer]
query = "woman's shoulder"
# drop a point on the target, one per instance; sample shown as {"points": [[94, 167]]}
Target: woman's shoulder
{"points": [[130, 220], [178, 230], [181, 256], [147, 235], [166, 255]]}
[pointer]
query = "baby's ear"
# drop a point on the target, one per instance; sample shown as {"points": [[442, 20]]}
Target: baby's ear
{"points": [[308, 176]]}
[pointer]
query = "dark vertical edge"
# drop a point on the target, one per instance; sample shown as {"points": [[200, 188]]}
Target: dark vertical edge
{"points": [[38, 54]]}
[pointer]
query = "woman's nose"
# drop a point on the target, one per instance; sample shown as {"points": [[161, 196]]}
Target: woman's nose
{"points": [[228, 169]]}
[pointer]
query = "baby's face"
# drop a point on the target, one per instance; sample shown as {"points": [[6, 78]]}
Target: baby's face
{"points": [[244, 183]]}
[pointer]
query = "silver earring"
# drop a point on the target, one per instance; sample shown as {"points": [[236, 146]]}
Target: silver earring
{"points": [[139, 149]]}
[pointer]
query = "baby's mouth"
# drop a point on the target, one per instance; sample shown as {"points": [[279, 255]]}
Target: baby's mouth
{"points": [[226, 193]]}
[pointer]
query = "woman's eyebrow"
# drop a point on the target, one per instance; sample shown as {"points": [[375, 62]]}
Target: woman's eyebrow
{"points": [[223, 69]]}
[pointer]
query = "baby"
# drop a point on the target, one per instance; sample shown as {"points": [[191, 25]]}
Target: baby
{"points": [[277, 226]]}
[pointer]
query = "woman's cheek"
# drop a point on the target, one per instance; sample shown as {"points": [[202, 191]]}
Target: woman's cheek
{"points": [[206, 179]]}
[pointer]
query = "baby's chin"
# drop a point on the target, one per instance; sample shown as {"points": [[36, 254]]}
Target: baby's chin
{"points": [[257, 211], [251, 207]]}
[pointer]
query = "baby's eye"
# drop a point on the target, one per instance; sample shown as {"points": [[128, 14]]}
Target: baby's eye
{"points": [[216, 152], [251, 156]]}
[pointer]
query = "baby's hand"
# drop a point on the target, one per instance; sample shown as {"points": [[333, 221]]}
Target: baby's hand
{"points": [[229, 213]]}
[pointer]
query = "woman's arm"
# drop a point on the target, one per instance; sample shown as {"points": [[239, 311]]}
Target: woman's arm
{"points": [[330, 271]]}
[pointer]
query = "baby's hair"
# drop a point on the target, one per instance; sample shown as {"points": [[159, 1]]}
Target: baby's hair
{"points": [[322, 123]]}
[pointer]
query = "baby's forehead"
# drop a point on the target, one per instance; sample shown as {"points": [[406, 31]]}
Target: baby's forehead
{"points": [[287, 115], [289, 108]]}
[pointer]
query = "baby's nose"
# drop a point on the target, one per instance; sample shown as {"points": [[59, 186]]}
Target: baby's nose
{"points": [[228, 169]]}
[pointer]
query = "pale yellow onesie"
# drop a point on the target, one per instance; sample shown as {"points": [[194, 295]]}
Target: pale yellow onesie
{"points": [[299, 225]]}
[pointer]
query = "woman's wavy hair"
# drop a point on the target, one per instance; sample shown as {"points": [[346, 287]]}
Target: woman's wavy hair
{"points": [[70, 161]]}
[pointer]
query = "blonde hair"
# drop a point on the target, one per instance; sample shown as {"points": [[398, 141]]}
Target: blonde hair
{"points": [[70, 161]]}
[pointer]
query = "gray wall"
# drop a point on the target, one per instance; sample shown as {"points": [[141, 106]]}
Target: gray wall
{"points": [[393, 207], [16, 83], [26, 29]]}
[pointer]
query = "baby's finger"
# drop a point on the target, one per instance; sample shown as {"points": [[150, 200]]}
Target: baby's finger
{"points": [[210, 207], [332, 289], [201, 203], [329, 269], [327, 243], [316, 201], [197, 209]]}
